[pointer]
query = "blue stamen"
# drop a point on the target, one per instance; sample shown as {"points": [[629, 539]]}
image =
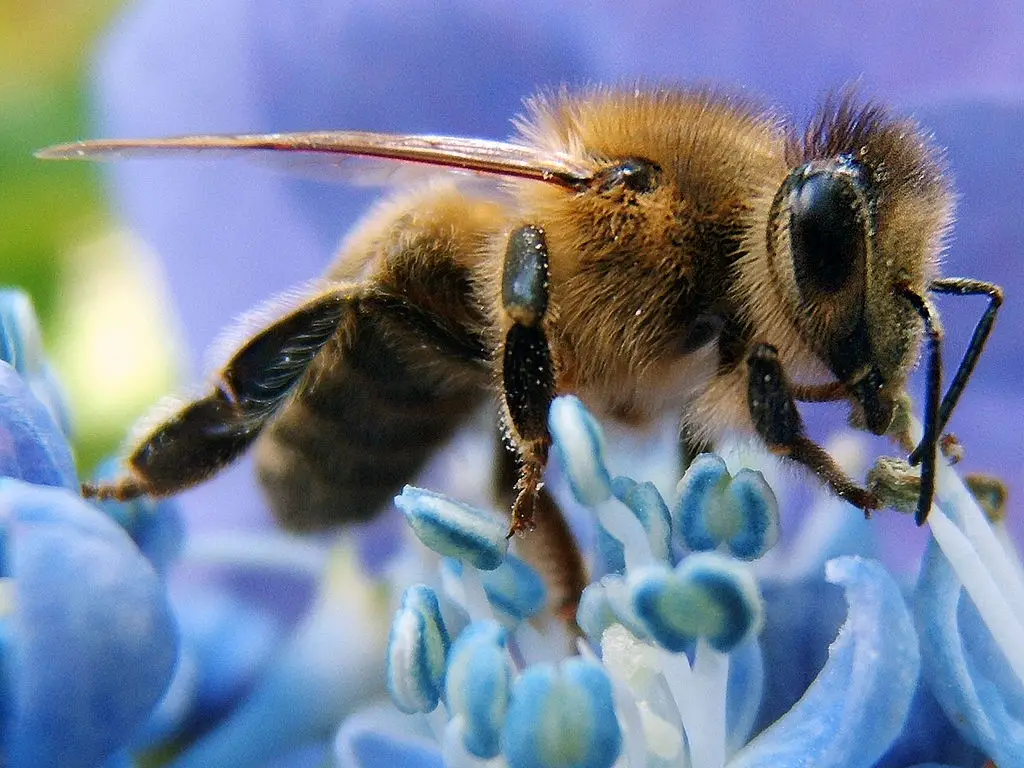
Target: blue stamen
{"points": [[454, 529], [594, 614], [514, 588], [620, 600], [417, 651], [716, 509], [699, 492], [644, 500], [579, 444], [562, 718], [478, 682], [707, 596], [757, 513]]}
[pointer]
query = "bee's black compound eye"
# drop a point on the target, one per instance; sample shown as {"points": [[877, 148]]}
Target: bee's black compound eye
{"points": [[827, 230], [635, 174]]}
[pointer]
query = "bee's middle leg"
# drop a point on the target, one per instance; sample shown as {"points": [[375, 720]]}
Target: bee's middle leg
{"points": [[777, 421], [527, 368]]}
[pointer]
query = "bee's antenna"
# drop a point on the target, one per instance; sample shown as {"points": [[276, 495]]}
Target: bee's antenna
{"points": [[926, 449]]}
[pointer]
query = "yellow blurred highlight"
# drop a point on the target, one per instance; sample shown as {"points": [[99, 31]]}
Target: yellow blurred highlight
{"points": [[47, 40], [116, 345]]}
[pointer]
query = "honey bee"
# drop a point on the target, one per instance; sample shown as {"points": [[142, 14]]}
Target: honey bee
{"points": [[654, 251]]}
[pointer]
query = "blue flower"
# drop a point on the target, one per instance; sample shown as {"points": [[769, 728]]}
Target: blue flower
{"points": [[155, 525], [969, 604], [675, 668], [89, 641], [331, 664], [87, 637]]}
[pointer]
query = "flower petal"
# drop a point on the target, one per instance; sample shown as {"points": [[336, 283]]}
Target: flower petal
{"points": [[92, 639], [21, 339], [224, 645], [856, 706], [380, 737], [330, 666], [155, 525], [929, 736], [32, 446], [21, 346], [964, 668]]}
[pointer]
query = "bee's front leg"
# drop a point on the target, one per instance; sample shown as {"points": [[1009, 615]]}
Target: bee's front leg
{"points": [[777, 421], [527, 368]]}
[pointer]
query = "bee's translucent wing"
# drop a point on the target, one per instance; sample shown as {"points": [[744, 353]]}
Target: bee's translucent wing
{"points": [[327, 154]]}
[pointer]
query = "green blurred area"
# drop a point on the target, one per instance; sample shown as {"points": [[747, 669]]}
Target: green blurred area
{"points": [[44, 207], [48, 210]]}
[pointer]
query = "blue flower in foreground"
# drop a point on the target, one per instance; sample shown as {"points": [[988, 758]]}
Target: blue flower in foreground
{"points": [[21, 347], [973, 649], [331, 664], [674, 671], [88, 639], [155, 525], [32, 448]]}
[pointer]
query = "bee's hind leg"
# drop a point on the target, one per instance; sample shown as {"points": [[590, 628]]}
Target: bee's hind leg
{"points": [[777, 421], [190, 443], [552, 550], [527, 368]]}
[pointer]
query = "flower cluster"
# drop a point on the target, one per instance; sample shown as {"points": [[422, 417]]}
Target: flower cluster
{"points": [[699, 643], [671, 671], [88, 636]]}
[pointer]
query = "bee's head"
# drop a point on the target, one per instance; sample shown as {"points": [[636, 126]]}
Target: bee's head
{"points": [[856, 224]]}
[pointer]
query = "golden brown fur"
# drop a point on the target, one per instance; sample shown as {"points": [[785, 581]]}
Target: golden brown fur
{"points": [[656, 293], [628, 270]]}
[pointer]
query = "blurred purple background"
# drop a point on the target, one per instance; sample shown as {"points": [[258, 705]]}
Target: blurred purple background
{"points": [[232, 236]]}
